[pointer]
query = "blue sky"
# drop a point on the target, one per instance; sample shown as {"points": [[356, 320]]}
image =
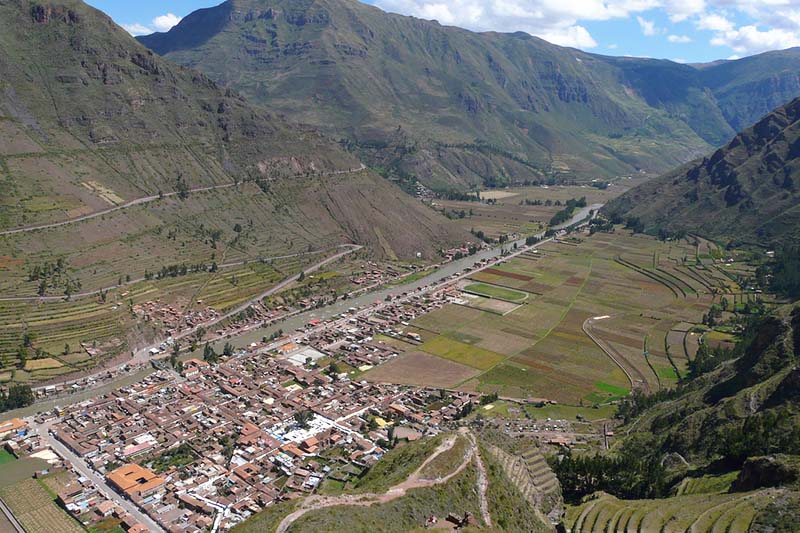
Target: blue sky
{"points": [[680, 30]]}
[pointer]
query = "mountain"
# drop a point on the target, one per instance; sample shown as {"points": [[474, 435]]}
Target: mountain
{"points": [[91, 119], [454, 108], [746, 192]]}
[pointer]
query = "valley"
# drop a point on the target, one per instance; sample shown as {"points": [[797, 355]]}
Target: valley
{"points": [[309, 265]]}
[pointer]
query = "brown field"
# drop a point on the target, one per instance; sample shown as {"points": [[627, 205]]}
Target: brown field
{"points": [[492, 305], [42, 364], [418, 368], [505, 274]]}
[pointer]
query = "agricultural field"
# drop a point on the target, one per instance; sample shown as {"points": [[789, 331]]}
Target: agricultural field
{"points": [[494, 291], [512, 212], [64, 329], [36, 510], [418, 368], [724, 512], [630, 297]]}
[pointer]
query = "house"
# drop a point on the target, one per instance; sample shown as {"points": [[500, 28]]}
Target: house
{"points": [[134, 480], [14, 425]]}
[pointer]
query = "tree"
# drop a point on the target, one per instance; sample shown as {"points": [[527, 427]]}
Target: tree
{"points": [[28, 339], [227, 350], [209, 355], [301, 277], [303, 418], [66, 349]]}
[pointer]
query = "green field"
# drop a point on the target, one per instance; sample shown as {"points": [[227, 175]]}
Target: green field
{"points": [[493, 291], [460, 352], [6, 457]]}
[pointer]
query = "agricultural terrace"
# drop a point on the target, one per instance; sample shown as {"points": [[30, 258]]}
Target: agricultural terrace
{"points": [[523, 210], [64, 332], [699, 512], [628, 296]]}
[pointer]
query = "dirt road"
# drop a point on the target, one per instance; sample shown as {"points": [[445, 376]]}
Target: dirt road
{"points": [[414, 481]]}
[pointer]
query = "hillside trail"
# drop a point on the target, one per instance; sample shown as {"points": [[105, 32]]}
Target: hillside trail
{"points": [[414, 481], [483, 483], [151, 198]]}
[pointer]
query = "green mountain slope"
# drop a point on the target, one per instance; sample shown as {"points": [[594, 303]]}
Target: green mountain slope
{"points": [[452, 107], [746, 192], [90, 119], [720, 453]]}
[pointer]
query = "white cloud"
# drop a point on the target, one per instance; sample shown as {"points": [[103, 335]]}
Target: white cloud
{"points": [[574, 36], [558, 21], [680, 39], [166, 22], [714, 22], [680, 10], [612, 46], [161, 23], [137, 29], [648, 26], [680, 60], [751, 40]]}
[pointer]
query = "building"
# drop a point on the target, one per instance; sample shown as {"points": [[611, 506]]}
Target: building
{"points": [[135, 481]]}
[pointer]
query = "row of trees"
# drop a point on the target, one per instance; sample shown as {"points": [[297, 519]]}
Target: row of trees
{"points": [[635, 473], [16, 396], [566, 213]]}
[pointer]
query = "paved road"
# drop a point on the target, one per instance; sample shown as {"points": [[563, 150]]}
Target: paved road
{"points": [[429, 283], [144, 200], [96, 478]]}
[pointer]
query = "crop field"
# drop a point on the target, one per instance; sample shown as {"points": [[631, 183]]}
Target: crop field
{"points": [[462, 353], [36, 510], [494, 291], [513, 212], [630, 296], [418, 368]]}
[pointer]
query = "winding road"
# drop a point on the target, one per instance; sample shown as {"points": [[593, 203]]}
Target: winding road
{"points": [[414, 481]]}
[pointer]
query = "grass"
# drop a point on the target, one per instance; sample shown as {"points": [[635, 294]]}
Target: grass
{"points": [[493, 291], [570, 412], [396, 465], [268, 519], [403, 514], [612, 389], [460, 352], [6, 456], [448, 461]]}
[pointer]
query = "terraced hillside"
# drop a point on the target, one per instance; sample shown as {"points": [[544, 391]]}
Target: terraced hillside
{"points": [[713, 513], [125, 178], [533, 477]]}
